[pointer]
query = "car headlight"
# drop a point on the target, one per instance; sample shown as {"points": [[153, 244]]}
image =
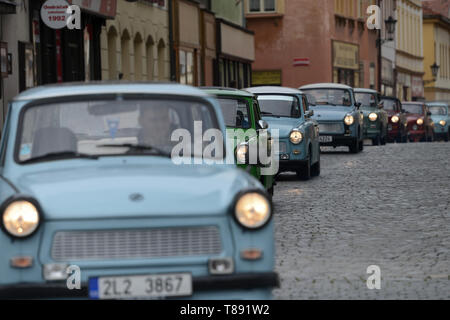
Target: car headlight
{"points": [[443, 123], [20, 218], [242, 153], [349, 120], [395, 119], [296, 137], [420, 121], [253, 210], [373, 116]]}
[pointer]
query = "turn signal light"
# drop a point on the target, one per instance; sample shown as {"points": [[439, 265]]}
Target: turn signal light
{"points": [[22, 262], [251, 254]]}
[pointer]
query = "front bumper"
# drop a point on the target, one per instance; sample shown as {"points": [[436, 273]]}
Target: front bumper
{"points": [[243, 281]]}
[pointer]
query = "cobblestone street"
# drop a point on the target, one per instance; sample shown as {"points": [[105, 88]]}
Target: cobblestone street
{"points": [[388, 206]]}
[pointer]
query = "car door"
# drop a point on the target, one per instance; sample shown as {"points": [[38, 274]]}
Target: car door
{"points": [[312, 129]]}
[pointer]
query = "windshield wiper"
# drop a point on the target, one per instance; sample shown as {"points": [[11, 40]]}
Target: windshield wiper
{"points": [[138, 147], [61, 155]]}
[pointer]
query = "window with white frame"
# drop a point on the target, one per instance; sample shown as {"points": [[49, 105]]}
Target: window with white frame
{"points": [[262, 5]]}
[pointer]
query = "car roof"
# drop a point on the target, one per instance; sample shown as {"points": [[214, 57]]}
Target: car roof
{"points": [[419, 103], [273, 89], [325, 85], [107, 87], [221, 91], [437, 103], [364, 90]]}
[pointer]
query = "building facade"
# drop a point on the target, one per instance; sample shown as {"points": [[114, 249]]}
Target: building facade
{"points": [[436, 35], [14, 39], [293, 48], [135, 45], [409, 50], [388, 71]]}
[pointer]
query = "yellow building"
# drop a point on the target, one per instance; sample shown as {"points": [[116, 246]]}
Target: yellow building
{"points": [[409, 50], [135, 45], [436, 34]]}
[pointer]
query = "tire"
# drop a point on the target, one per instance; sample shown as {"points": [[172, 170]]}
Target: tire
{"points": [[305, 172], [376, 141], [447, 137], [270, 191], [361, 146], [315, 169], [383, 141], [354, 147]]}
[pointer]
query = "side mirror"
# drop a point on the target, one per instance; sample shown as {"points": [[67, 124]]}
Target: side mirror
{"points": [[263, 124], [358, 105], [429, 113], [309, 113]]}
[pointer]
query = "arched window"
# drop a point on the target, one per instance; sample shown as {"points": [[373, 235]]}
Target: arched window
{"points": [[161, 60], [149, 47], [138, 57], [112, 53], [125, 47]]}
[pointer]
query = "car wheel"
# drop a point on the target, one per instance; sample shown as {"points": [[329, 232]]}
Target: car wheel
{"points": [[447, 136], [305, 172], [376, 141], [315, 170], [361, 145], [270, 191], [383, 141], [354, 147]]}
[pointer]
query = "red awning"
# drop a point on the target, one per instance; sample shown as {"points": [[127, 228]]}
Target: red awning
{"points": [[104, 8]]}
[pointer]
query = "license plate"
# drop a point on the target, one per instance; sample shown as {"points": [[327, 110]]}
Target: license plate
{"points": [[325, 138], [141, 287]]}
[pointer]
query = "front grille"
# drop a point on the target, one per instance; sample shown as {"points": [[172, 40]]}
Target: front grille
{"points": [[136, 243], [331, 128]]}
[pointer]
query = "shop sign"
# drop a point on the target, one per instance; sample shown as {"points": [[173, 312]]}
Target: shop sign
{"points": [[269, 77], [54, 13], [345, 55], [417, 87]]}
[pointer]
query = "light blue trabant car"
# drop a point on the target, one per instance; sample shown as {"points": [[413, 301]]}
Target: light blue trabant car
{"points": [[337, 112], [94, 206], [287, 110], [441, 119]]}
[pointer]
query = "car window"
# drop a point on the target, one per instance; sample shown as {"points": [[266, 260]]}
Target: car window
{"points": [[305, 104], [438, 110], [413, 108], [334, 97], [235, 112], [84, 126], [279, 106], [367, 100], [389, 104]]}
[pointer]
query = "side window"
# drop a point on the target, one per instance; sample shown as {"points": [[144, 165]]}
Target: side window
{"points": [[305, 104]]}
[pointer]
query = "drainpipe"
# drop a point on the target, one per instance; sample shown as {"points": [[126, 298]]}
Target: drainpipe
{"points": [[173, 76]]}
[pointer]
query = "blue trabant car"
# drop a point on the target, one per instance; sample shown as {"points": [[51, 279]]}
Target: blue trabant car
{"points": [[287, 111], [94, 205], [375, 117], [441, 119], [337, 112]]}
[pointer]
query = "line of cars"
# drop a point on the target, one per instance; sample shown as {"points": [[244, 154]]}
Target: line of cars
{"points": [[88, 182]]}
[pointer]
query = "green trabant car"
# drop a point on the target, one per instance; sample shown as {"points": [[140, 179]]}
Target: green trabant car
{"points": [[241, 112], [375, 117]]}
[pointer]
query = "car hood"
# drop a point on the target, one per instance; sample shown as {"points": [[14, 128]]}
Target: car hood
{"points": [[116, 191], [327, 113], [284, 125]]}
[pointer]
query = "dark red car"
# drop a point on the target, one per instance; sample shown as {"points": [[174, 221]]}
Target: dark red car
{"points": [[419, 121], [397, 122]]}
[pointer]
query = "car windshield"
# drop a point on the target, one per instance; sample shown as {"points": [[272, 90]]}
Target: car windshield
{"points": [[235, 112], [413, 108], [367, 100], [334, 97], [106, 127], [279, 106], [438, 110], [388, 104]]}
